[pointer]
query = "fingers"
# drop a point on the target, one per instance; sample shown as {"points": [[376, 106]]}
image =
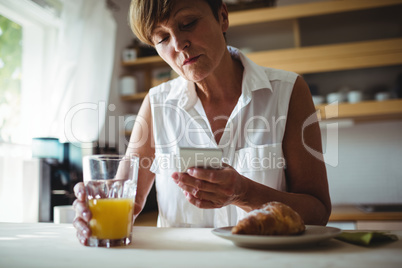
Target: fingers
{"points": [[186, 182], [82, 210], [201, 203], [83, 231], [80, 223], [210, 175], [206, 188], [79, 191], [200, 193], [218, 181]]}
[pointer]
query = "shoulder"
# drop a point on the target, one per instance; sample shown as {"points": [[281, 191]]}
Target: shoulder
{"points": [[257, 72], [301, 93], [301, 108], [280, 75]]}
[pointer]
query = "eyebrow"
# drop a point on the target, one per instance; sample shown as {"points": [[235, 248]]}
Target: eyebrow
{"points": [[181, 9], [174, 15]]}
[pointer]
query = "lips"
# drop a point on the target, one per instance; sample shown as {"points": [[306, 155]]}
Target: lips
{"points": [[191, 60]]}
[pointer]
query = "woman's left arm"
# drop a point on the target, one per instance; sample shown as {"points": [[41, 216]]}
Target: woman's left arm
{"points": [[306, 176]]}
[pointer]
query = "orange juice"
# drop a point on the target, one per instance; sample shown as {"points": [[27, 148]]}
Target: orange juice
{"points": [[111, 218]]}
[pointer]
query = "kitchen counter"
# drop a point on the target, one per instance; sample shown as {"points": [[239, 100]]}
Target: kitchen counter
{"points": [[55, 245]]}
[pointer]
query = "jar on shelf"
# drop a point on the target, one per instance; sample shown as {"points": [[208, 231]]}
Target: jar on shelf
{"points": [[131, 52], [128, 85]]}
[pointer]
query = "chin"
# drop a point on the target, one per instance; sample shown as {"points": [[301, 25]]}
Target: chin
{"points": [[196, 77]]}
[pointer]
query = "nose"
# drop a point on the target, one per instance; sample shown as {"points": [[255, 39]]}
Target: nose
{"points": [[180, 42]]}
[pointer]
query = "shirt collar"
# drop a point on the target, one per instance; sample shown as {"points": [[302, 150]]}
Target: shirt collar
{"points": [[182, 91], [254, 78]]}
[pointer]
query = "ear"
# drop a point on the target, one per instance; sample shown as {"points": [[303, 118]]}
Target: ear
{"points": [[224, 17]]}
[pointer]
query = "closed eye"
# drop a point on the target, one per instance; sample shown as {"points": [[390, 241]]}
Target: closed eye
{"points": [[163, 40], [189, 25]]}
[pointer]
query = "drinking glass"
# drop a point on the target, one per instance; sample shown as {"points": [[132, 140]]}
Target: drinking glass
{"points": [[111, 186]]}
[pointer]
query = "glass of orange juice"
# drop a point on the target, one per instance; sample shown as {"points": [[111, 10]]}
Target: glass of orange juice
{"points": [[111, 186]]}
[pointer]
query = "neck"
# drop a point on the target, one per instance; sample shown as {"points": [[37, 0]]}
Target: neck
{"points": [[224, 84]]}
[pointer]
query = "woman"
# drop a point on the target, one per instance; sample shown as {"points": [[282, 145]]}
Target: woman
{"points": [[222, 100]]}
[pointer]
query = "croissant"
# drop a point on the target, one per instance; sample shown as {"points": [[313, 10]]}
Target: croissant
{"points": [[273, 218]]}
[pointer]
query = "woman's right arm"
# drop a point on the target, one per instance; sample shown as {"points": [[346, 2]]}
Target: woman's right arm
{"points": [[141, 144]]}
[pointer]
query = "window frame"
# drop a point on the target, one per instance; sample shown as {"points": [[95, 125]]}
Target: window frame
{"points": [[39, 31]]}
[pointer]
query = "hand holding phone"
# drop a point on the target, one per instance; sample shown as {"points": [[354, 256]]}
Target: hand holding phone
{"points": [[199, 157]]}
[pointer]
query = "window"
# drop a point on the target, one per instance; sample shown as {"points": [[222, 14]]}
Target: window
{"points": [[27, 37], [27, 40], [10, 78], [54, 79]]}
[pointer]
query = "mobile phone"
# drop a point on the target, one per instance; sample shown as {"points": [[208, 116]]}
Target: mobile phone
{"points": [[189, 157]]}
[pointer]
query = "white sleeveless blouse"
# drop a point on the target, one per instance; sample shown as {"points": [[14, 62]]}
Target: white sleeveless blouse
{"points": [[251, 142]]}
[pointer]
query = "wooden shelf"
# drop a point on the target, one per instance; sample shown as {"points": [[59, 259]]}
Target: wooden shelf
{"points": [[144, 62], [325, 58], [315, 59], [268, 14], [367, 110], [352, 213], [311, 59], [135, 97]]}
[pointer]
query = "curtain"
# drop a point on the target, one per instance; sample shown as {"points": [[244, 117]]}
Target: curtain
{"points": [[77, 87], [70, 104]]}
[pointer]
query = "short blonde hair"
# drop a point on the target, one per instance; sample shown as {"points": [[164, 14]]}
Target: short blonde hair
{"points": [[144, 15]]}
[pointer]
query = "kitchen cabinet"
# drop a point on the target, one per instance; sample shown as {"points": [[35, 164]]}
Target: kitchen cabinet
{"points": [[313, 59]]}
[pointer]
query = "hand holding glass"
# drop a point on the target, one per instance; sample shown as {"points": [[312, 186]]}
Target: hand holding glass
{"points": [[111, 186]]}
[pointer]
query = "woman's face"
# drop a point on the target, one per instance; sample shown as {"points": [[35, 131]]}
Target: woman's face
{"points": [[191, 41]]}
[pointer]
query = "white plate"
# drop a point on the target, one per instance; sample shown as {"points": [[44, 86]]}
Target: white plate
{"points": [[313, 235]]}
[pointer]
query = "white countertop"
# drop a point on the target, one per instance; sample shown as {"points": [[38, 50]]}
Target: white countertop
{"points": [[55, 245]]}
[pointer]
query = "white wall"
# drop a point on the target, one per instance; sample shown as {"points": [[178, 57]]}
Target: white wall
{"points": [[369, 168]]}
